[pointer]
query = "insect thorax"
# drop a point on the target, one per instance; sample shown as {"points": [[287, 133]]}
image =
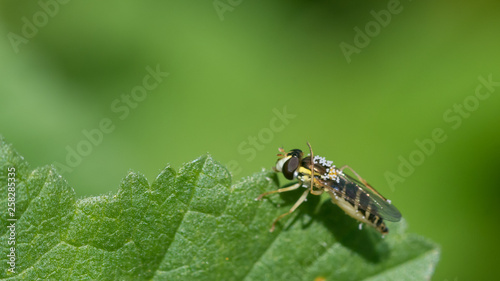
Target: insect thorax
{"points": [[323, 169]]}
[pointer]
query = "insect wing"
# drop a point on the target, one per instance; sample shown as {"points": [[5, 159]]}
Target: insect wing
{"points": [[348, 187], [385, 209]]}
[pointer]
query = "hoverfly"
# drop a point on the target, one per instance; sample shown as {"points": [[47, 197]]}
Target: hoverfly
{"points": [[355, 196]]}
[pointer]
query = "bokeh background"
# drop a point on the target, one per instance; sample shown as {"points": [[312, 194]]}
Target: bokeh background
{"points": [[246, 77]]}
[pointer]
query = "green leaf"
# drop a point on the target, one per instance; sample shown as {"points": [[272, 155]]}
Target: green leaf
{"points": [[194, 225]]}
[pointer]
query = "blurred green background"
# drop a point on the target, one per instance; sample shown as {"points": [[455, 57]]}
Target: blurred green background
{"points": [[236, 66]]}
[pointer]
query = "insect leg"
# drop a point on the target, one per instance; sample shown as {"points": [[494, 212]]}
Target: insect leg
{"points": [[285, 189], [295, 206], [314, 192], [354, 172], [317, 192], [312, 168], [362, 180]]}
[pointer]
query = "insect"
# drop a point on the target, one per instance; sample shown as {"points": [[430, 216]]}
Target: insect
{"points": [[355, 196]]}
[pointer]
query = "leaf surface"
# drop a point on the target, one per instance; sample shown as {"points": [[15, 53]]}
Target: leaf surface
{"points": [[193, 224]]}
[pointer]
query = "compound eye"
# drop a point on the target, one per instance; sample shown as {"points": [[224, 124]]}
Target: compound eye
{"points": [[290, 166]]}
